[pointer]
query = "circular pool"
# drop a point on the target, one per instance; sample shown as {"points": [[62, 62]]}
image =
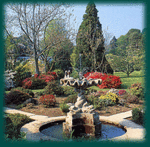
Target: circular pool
{"points": [[55, 130]]}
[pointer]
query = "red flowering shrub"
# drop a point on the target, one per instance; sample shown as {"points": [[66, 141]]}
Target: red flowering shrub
{"points": [[52, 73], [27, 83], [47, 100], [47, 78], [38, 82], [121, 92], [108, 81], [87, 74]]}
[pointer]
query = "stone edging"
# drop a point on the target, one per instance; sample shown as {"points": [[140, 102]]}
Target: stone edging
{"points": [[134, 132]]}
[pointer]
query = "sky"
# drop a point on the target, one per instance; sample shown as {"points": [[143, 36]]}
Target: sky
{"points": [[115, 19]]}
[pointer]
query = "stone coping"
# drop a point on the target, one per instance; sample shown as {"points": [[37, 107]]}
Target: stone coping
{"points": [[134, 132]]}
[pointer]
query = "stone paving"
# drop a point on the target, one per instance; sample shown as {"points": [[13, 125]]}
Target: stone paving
{"points": [[134, 132]]}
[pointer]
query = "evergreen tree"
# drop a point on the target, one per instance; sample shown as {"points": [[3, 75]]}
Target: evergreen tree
{"points": [[90, 43], [113, 45]]}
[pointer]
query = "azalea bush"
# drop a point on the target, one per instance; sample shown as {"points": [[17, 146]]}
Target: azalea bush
{"points": [[108, 81], [38, 82], [121, 92], [47, 100]]}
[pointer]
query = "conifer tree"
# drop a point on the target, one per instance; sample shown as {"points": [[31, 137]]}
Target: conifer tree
{"points": [[90, 43]]}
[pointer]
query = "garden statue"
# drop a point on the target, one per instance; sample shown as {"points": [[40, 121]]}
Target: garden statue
{"points": [[81, 118]]}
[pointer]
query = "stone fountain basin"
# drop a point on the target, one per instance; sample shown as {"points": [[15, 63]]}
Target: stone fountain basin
{"points": [[32, 129]]}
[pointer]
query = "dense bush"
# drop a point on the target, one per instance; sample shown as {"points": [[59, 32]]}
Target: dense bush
{"points": [[112, 96], [53, 87], [108, 81], [59, 73], [121, 92], [38, 82], [16, 97], [99, 103], [29, 91], [13, 124], [64, 107], [137, 90], [132, 99], [71, 98], [33, 83], [22, 72], [47, 100], [68, 90], [137, 116]]}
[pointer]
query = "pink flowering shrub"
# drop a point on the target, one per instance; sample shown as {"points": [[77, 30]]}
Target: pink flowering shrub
{"points": [[121, 92]]}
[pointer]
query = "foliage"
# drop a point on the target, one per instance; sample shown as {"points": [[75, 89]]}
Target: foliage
{"points": [[128, 55], [108, 81], [59, 46], [99, 103], [33, 83], [137, 90], [71, 98], [22, 72], [59, 72], [121, 92], [132, 99], [29, 91], [137, 115], [68, 90], [13, 124], [53, 87], [47, 100], [112, 96], [64, 107], [90, 43], [38, 82], [16, 97]]}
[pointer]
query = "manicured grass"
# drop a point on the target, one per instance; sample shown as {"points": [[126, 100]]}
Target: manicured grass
{"points": [[136, 76]]}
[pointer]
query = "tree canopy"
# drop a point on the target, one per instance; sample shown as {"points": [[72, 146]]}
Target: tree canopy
{"points": [[90, 43]]}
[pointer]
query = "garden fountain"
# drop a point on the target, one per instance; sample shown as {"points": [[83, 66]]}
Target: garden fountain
{"points": [[81, 118]]}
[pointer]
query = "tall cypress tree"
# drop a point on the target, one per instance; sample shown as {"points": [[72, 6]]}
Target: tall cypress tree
{"points": [[90, 43]]}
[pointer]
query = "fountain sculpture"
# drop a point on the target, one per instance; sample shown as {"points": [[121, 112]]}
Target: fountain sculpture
{"points": [[81, 118]]}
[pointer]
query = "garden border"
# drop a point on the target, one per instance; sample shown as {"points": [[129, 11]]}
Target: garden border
{"points": [[134, 132]]}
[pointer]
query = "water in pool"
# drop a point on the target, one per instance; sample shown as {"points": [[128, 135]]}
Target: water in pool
{"points": [[108, 131]]}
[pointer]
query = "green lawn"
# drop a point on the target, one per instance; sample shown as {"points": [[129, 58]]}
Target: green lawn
{"points": [[136, 76]]}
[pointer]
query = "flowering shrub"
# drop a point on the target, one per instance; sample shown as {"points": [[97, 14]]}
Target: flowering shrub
{"points": [[87, 74], [37, 82], [108, 81], [46, 78], [137, 90], [52, 73], [121, 92], [47, 100], [111, 96], [27, 83]]}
